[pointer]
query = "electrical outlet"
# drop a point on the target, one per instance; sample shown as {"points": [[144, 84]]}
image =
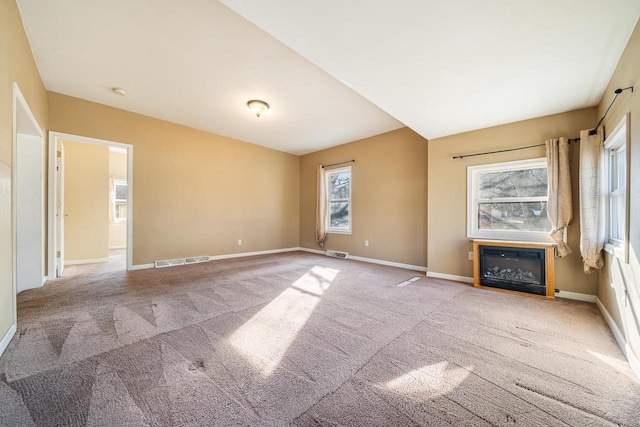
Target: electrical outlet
{"points": [[239, 242], [470, 255], [366, 243]]}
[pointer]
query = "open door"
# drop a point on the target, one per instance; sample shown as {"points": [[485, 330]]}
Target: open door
{"points": [[58, 162], [60, 209], [28, 199], [29, 212]]}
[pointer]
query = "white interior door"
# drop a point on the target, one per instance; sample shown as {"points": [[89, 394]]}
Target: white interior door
{"points": [[29, 213], [60, 209]]}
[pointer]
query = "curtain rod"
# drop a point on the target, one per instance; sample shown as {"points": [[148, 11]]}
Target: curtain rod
{"points": [[617, 92], [339, 163], [571, 140], [497, 151]]}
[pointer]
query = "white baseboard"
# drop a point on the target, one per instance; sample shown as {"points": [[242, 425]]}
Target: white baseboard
{"points": [[142, 266], [371, 260], [388, 263], [7, 338], [225, 256], [633, 360], [561, 294], [244, 254], [463, 279], [576, 296], [118, 247], [44, 280], [313, 251], [85, 261]]}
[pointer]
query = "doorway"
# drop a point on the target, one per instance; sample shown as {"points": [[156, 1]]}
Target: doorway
{"points": [[28, 198], [73, 181]]}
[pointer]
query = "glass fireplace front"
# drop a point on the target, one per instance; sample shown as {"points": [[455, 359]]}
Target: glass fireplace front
{"points": [[516, 269]]}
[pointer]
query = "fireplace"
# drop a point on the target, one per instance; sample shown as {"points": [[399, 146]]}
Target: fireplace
{"points": [[514, 268]]}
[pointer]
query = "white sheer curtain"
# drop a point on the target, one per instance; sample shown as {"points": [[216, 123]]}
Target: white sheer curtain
{"points": [[592, 228], [559, 207], [321, 207]]}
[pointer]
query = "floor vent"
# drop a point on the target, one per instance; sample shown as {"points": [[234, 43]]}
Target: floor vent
{"points": [[408, 282], [195, 259], [169, 262], [337, 254]]}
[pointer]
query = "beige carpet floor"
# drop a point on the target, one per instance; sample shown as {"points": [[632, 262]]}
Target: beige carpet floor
{"points": [[305, 340]]}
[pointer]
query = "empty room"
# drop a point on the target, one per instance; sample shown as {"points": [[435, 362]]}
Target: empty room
{"points": [[319, 213]]}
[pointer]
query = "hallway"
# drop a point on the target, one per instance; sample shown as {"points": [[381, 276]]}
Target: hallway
{"points": [[117, 262]]}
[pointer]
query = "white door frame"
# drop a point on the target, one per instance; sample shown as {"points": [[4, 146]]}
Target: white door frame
{"points": [[20, 102], [59, 213], [54, 137]]}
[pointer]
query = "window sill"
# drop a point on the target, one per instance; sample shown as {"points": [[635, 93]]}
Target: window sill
{"points": [[615, 250], [339, 232]]}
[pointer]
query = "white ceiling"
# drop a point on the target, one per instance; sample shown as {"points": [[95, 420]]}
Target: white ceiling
{"points": [[445, 67], [197, 63], [439, 67]]}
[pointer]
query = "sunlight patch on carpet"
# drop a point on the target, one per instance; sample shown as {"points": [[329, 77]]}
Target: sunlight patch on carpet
{"points": [[429, 381], [620, 365], [408, 282], [265, 338]]}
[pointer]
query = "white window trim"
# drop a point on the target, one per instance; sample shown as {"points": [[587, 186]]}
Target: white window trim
{"points": [[118, 181], [328, 218], [473, 232], [618, 138]]}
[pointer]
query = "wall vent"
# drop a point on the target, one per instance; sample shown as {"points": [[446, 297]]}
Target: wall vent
{"points": [[195, 259], [337, 254], [169, 262], [181, 261]]}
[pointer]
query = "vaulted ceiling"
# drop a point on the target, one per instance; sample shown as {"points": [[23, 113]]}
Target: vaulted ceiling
{"points": [[332, 71]]}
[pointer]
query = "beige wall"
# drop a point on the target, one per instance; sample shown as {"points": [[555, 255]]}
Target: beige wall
{"points": [[86, 201], [117, 230], [16, 65], [389, 186], [448, 243], [617, 274], [195, 193]]}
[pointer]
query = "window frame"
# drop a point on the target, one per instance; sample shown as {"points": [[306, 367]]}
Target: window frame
{"points": [[328, 174], [473, 231], [115, 201], [617, 141]]}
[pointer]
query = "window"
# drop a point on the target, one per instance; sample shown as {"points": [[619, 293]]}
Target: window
{"points": [[615, 161], [339, 200], [508, 201], [120, 191]]}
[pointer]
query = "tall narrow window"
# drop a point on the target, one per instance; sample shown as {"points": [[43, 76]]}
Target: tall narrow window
{"points": [[339, 200], [508, 201], [120, 191], [616, 189]]}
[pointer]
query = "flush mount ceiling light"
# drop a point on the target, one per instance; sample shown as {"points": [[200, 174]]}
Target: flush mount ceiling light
{"points": [[257, 106], [119, 91]]}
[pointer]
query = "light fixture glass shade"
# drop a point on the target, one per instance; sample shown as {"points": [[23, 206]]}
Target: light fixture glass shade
{"points": [[257, 106]]}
